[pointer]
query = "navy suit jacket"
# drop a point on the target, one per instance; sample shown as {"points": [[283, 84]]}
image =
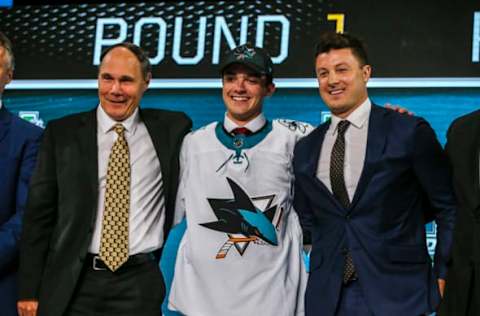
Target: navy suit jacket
{"points": [[405, 169], [18, 149]]}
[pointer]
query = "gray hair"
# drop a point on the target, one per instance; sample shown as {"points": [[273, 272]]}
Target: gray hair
{"points": [[140, 54]]}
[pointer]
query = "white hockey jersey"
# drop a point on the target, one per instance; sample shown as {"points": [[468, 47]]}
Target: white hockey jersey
{"points": [[242, 251]]}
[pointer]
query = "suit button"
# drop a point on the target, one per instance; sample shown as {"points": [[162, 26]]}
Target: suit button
{"points": [[344, 251], [347, 217]]}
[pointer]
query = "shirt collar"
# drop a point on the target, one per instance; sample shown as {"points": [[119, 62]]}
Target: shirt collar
{"points": [[254, 125], [1, 104], [106, 123], [357, 118]]}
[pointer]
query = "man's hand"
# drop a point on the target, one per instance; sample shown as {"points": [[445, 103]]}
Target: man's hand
{"points": [[441, 286], [27, 308], [398, 109]]}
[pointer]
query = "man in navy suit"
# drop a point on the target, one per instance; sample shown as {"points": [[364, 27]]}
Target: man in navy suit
{"points": [[362, 182], [18, 148]]}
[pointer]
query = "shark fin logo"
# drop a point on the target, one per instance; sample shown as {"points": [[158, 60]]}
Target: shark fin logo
{"points": [[243, 221], [244, 52]]}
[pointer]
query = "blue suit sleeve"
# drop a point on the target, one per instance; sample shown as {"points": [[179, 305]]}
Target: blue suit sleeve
{"points": [[11, 229], [301, 204], [433, 171]]}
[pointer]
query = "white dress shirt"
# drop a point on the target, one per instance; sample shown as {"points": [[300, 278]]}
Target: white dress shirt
{"points": [[253, 126], [355, 148], [147, 203]]}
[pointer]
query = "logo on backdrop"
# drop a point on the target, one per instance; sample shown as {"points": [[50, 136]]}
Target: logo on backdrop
{"points": [[325, 116], [32, 117]]}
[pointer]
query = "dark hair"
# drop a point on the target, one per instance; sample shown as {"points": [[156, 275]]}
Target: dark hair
{"points": [[268, 80], [7, 45], [331, 40], [142, 57]]}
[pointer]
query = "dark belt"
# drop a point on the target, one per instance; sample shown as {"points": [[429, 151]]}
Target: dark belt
{"points": [[97, 264]]}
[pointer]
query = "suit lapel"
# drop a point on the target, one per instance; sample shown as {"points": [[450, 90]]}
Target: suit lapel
{"points": [[159, 133], [377, 131], [312, 163], [5, 120], [87, 136]]}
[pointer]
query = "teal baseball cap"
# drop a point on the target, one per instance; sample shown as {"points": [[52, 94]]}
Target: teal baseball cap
{"points": [[255, 58]]}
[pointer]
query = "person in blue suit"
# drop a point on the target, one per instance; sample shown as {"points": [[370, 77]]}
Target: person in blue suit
{"points": [[363, 181], [18, 148]]}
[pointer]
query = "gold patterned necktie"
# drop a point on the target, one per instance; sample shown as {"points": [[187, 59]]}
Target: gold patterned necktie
{"points": [[114, 240]]}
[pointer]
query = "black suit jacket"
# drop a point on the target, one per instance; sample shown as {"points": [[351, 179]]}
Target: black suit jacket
{"points": [[62, 202], [463, 144]]}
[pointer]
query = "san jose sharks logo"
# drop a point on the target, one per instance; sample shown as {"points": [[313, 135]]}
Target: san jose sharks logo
{"points": [[244, 52], [242, 221]]}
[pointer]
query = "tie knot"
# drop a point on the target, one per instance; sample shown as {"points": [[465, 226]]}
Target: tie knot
{"points": [[342, 127], [119, 129], [241, 131]]}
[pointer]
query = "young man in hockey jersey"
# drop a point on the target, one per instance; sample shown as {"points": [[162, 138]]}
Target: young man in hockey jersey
{"points": [[241, 253]]}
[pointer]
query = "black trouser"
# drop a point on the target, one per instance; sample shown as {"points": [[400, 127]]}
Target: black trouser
{"points": [[136, 288]]}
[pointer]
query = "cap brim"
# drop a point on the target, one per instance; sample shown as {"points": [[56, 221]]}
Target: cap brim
{"points": [[247, 64]]}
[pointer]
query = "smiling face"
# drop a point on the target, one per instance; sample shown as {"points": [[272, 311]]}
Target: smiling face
{"points": [[243, 93], [342, 80], [120, 83]]}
